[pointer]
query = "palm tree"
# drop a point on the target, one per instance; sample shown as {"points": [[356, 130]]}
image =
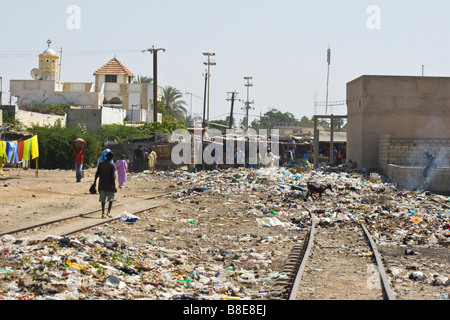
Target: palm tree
{"points": [[193, 121], [173, 105], [143, 79]]}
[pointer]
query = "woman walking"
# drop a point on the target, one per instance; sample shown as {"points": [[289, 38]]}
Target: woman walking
{"points": [[121, 168]]}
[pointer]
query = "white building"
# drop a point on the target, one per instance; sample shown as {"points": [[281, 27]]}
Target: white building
{"points": [[112, 90]]}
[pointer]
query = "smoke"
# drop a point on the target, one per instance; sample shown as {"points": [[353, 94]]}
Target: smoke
{"points": [[416, 161]]}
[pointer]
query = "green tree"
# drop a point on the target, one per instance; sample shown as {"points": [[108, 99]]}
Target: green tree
{"points": [[143, 79], [56, 143], [304, 121], [193, 121], [272, 116], [174, 106]]}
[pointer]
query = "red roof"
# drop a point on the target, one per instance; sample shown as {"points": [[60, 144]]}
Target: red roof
{"points": [[114, 67]]}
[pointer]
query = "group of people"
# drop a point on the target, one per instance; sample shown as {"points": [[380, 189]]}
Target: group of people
{"points": [[338, 155], [106, 171], [144, 158]]}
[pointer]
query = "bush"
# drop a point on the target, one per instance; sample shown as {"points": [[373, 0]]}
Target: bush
{"points": [[56, 142], [55, 109], [120, 133], [56, 146], [164, 127]]}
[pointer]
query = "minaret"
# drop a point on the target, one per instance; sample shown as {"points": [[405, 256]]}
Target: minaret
{"points": [[49, 63]]}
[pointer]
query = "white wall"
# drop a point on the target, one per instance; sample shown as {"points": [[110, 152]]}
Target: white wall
{"points": [[51, 92], [28, 118], [112, 115]]}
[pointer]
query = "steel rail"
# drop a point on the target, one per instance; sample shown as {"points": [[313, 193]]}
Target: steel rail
{"points": [[386, 288], [110, 220], [298, 277], [384, 280], [78, 215]]}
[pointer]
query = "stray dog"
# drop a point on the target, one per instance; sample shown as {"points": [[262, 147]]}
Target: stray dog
{"points": [[316, 188]]}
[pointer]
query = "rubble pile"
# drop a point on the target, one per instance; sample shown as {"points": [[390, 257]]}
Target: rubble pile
{"points": [[225, 235]]}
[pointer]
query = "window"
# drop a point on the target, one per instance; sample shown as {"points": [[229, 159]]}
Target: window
{"points": [[41, 65], [53, 64], [110, 78], [47, 63]]}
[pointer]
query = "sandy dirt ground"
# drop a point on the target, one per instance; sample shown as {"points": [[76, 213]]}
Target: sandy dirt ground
{"points": [[219, 228]]}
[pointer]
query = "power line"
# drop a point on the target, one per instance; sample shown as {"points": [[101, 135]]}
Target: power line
{"points": [[25, 54]]}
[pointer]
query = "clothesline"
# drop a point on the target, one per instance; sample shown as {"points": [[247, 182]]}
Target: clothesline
{"points": [[18, 151]]}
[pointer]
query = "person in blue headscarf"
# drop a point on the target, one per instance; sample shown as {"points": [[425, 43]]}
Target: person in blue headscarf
{"points": [[103, 156]]}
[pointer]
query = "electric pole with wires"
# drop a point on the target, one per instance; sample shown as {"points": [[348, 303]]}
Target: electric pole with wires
{"points": [[154, 51], [247, 103], [328, 77], [209, 63]]}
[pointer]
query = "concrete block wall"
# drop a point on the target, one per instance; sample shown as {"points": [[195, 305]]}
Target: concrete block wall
{"points": [[410, 152], [383, 153]]}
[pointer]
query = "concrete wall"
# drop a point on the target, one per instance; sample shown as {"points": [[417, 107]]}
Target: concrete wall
{"points": [[399, 106], [412, 178], [55, 92], [410, 152], [93, 119], [28, 118]]}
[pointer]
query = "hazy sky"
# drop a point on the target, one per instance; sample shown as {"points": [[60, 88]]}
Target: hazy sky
{"points": [[281, 44]]}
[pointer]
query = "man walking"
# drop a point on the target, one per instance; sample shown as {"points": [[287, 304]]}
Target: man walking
{"points": [[78, 150], [107, 183]]}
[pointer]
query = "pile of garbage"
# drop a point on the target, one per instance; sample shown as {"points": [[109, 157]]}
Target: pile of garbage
{"points": [[93, 266], [355, 197], [190, 261]]}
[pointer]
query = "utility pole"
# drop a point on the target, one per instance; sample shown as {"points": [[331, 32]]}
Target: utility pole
{"points": [[209, 63], [328, 76], [204, 102], [233, 94], [191, 100], [154, 51], [247, 104]]}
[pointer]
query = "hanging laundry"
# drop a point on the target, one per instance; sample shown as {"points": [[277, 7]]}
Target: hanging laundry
{"points": [[34, 147], [3, 157], [12, 152], [26, 150], [2, 149], [20, 150]]}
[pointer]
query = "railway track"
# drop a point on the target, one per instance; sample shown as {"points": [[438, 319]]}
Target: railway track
{"points": [[297, 260], [294, 266], [80, 222]]}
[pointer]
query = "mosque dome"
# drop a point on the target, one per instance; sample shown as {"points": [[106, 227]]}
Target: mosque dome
{"points": [[49, 51]]}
